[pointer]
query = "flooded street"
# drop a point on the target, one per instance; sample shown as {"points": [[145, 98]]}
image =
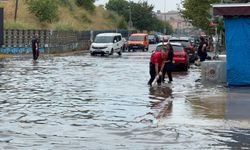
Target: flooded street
{"points": [[84, 102]]}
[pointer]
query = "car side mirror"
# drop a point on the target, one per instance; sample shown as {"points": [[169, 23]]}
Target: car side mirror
{"points": [[115, 41]]}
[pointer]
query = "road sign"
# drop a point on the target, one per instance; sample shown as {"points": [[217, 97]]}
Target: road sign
{"points": [[1, 26]]}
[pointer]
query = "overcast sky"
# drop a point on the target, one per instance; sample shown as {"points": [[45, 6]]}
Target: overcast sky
{"points": [[158, 4]]}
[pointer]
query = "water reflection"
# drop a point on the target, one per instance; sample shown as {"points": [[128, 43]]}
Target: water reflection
{"points": [[213, 107], [161, 100]]}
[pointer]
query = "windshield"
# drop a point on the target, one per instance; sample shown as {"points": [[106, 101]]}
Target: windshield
{"points": [[176, 48], [151, 36], [136, 38], [185, 43], [104, 39]]}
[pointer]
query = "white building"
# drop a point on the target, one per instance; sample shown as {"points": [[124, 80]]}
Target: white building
{"points": [[178, 23]]}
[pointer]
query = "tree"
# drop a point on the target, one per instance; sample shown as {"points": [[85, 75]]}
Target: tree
{"points": [[122, 24], [87, 4], [198, 12], [143, 17], [121, 7], [44, 10]]}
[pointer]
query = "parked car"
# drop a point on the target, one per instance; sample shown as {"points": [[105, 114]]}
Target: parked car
{"points": [[107, 43], [164, 38], [181, 59], [152, 39], [138, 41], [186, 42]]}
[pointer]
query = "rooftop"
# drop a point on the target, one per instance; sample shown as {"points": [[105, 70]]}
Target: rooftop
{"points": [[236, 9]]}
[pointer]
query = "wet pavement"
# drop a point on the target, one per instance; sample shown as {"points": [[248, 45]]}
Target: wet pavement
{"points": [[84, 102]]}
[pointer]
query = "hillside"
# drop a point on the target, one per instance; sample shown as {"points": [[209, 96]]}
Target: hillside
{"points": [[70, 18]]}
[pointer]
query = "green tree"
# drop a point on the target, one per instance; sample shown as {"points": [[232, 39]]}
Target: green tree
{"points": [[121, 7], [87, 4], [122, 24], [198, 12], [44, 10], [159, 26], [142, 14]]}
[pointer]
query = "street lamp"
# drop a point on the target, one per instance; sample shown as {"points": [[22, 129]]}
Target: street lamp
{"points": [[130, 23], [165, 19], [16, 10]]}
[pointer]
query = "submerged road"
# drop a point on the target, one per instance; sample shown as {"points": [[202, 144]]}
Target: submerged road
{"points": [[84, 102]]}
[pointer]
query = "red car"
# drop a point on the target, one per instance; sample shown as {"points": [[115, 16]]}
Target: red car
{"points": [[187, 44], [181, 59]]}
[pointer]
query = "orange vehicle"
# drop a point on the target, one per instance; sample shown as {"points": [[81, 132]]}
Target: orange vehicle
{"points": [[138, 41]]}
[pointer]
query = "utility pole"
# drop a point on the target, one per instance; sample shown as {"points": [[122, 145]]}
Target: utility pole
{"points": [[165, 19], [16, 10], [130, 17]]}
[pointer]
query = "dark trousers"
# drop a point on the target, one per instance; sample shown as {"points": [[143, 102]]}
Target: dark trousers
{"points": [[203, 56], [35, 54], [168, 67], [152, 74]]}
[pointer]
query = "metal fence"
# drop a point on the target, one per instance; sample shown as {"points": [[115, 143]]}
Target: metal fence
{"points": [[19, 41], [1, 26]]}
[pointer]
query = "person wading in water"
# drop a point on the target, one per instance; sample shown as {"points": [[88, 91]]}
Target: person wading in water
{"points": [[35, 47], [156, 65]]}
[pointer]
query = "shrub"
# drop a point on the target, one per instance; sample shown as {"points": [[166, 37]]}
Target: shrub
{"points": [[122, 24], [87, 4], [85, 18], [44, 10]]}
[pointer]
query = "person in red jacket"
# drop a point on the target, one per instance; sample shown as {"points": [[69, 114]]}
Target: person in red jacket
{"points": [[156, 65]]}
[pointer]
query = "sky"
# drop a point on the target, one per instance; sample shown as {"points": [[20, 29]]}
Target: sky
{"points": [[161, 5]]}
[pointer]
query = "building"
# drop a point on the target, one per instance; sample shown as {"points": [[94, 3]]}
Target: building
{"points": [[178, 23], [237, 29]]}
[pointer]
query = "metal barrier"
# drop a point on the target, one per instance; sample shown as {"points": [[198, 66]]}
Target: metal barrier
{"points": [[1, 26], [19, 41]]}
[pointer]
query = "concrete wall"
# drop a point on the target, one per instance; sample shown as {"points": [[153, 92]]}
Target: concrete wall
{"points": [[213, 72]]}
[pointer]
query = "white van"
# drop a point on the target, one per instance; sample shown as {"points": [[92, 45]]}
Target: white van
{"points": [[107, 43]]}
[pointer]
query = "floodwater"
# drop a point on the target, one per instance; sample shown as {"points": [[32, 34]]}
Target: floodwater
{"points": [[84, 102]]}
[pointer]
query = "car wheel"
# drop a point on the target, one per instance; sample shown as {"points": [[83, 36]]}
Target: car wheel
{"points": [[123, 48], [185, 68], [112, 52], [92, 54], [143, 49], [120, 52]]}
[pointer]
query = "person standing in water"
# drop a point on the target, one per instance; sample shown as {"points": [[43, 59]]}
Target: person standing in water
{"points": [[156, 65], [35, 47], [168, 67]]}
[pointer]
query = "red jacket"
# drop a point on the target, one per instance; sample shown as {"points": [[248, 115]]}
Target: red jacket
{"points": [[158, 58]]}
